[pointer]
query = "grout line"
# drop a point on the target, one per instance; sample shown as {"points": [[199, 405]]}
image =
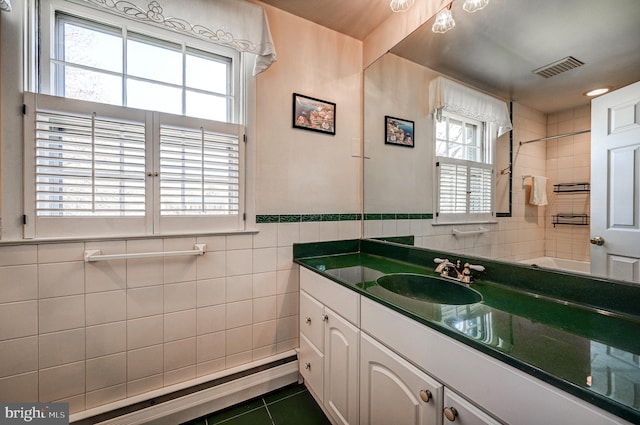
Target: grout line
{"points": [[289, 396], [268, 412], [237, 416]]}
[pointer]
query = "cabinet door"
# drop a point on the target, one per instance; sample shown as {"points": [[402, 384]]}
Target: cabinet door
{"points": [[393, 391], [311, 366], [312, 320], [341, 357], [457, 410]]}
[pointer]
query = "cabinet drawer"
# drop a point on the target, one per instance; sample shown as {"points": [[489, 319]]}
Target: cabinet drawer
{"points": [[311, 365], [343, 301], [464, 413], [311, 320]]}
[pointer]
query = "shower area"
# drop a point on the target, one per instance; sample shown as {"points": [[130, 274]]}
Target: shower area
{"points": [[556, 146]]}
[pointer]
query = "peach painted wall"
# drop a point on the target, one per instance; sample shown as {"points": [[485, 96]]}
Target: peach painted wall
{"points": [[300, 171]]}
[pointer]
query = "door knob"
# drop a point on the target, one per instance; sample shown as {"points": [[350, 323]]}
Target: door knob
{"points": [[597, 241]]}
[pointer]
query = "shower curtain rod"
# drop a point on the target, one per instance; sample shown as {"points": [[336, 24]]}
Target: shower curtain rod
{"points": [[556, 137]]}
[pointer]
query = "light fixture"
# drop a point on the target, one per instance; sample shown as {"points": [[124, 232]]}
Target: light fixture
{"points": [[444, 21], [597, 92], [474, 5], [401, 5]]}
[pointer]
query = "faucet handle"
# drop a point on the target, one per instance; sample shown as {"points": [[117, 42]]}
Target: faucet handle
{"points": [[442, 264], [476, 267]]}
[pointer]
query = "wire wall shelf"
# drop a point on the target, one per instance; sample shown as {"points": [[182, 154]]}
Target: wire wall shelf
{"points": [[571, 219], [572, 187]]}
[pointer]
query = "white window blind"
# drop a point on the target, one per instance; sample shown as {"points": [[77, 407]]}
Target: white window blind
{"points": [[88, 165], [93, 169], [453, 187], [481, 189], [199, 172], [464, 188]]}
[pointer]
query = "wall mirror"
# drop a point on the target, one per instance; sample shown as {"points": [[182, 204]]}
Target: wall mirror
{"points": [[505, 50]]}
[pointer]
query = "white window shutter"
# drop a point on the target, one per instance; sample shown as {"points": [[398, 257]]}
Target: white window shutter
{"points": [[199, 172], [88, 165], [453, 188]]}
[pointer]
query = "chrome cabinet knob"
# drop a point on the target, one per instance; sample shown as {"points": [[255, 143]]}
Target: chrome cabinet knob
{"points": [[450, 413], [597, 241], [307, 366], [325, 318], [426, 395], [308, 320]]}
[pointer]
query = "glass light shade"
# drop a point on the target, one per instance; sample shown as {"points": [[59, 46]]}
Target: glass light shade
{"points": [[474, 5], [5, 5], [444, 22], [401, 5]]}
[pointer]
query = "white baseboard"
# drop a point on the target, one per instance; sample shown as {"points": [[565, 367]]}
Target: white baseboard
{"points": [[212, 399]]}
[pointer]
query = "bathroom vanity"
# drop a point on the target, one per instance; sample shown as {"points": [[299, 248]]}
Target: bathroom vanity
{"points": [[536, 347]]}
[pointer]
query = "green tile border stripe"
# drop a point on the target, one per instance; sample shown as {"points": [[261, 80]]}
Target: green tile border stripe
{"points": [[398, 216], [309, 218], [305, 218]]}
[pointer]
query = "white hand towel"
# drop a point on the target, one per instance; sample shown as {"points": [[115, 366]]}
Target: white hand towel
{"points": [[538, 190]]}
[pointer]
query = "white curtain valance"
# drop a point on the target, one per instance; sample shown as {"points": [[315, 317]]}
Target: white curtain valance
{"points": [[449, 96], [238, 24], [5, 5]]}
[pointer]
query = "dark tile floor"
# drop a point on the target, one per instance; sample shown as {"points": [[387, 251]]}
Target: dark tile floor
{"points": [[291, 405]]}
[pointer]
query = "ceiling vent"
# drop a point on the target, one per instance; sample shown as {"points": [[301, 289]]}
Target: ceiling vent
{"points": [[558, 67]]}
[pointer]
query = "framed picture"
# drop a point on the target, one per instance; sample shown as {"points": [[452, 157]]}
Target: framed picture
{"points": [[314, 114], [398, 132]]}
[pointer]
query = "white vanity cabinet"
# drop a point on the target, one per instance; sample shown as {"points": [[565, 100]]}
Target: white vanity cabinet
{"points": [[393, 391], [368, 364], [329, 345]]}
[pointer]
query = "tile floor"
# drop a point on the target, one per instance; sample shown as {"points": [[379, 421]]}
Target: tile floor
{"points": [[291, 405]]}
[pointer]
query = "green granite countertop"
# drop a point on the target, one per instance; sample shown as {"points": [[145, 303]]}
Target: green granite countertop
{"points": [[574, 343]]}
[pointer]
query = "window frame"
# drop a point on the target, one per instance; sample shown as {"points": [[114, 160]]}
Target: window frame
{"points": [[48, 33], [153, 224], [487, 152]]}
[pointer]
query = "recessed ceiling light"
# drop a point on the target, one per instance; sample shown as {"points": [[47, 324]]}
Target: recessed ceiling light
{"points": [[597, 92]]}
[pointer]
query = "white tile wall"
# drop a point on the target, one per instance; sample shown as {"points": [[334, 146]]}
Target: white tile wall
{"points": [[94, 333], [19, 283], [568, 161]]}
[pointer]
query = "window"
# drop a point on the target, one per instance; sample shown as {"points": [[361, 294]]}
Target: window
{"points": [[139, 136], [97, 62], [98, 169], [464, 164]]}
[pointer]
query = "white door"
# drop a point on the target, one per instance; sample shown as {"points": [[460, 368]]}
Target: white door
{"points": [[615, 184], [341, 356], [392, 391]]}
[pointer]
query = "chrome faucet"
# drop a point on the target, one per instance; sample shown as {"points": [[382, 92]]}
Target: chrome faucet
{"points": [[457, 271]]}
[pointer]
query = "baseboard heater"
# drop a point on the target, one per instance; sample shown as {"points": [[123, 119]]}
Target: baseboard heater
{"points": [[184, 404]]}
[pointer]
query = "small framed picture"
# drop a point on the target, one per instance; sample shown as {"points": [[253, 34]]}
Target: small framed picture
{"points": [[314, 114], [398, 132]]}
